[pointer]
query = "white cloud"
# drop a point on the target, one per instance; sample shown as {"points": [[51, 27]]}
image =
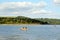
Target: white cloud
{"points": [[19, 8], [57, 2], [22, 5], [41, 12], [40, 4], [24, 8]]}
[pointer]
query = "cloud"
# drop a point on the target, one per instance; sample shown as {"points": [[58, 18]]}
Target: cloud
{"points": [[25, 9], [20, 7], [41, 11], [57, 2]]}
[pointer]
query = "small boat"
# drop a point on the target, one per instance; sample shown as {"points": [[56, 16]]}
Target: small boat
{"points": [[24, 28]]}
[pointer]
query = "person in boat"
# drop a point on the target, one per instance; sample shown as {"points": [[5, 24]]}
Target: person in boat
{"points": [[24, 28]]}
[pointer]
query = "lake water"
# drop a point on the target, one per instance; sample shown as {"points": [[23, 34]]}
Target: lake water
{"points": [[34, 32]]}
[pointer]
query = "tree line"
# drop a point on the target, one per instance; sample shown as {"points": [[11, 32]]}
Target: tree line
{"points": [[49, 20], [20, 20]]}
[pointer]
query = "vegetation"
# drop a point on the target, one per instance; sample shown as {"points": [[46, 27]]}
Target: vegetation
{"points": [[20, 20], [50, 21], [26, 20]]}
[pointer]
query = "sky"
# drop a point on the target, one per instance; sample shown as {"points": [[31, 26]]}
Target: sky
{"points": [[30, 8]]}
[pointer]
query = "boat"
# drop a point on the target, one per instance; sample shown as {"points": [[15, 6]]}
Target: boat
{"points": [[24, 28]]}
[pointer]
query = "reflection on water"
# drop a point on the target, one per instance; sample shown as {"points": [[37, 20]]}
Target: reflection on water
{"points": [[35, 32]]}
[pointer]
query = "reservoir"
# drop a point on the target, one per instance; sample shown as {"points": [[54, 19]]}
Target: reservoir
{"points": [[34, 32]]}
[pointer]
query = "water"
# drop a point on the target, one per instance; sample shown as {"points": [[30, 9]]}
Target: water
{"points": [[34, 32]]}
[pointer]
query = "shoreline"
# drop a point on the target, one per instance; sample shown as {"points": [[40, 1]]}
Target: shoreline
{"points": [[20, 24], [30, 24]]}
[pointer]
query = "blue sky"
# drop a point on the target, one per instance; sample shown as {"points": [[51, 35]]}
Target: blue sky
{"points": [[30, 8]]}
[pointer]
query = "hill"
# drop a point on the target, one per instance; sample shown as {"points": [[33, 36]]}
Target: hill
{"points": [[20, 20], [49, 20]]}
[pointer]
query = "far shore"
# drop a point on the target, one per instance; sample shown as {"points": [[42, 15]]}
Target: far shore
{"points": [[29, 24], [20, 24]]}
